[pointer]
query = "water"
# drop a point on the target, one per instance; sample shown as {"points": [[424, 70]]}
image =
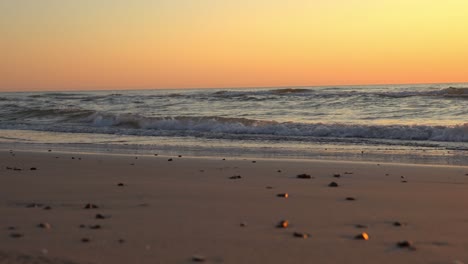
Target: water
{"points": [[409, 123]]}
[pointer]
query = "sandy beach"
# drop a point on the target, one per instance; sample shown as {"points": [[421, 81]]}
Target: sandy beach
{"points": [[226, 210]]}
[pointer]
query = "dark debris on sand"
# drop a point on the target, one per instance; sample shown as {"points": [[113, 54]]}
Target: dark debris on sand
{"points": [[333, 184], [235, 177], [304, 176], [301, 235]]}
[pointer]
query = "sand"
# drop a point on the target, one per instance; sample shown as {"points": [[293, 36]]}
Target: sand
{"points": [[190, 210]]}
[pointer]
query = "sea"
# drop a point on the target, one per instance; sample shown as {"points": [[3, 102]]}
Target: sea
{"points": [[421, 124]]}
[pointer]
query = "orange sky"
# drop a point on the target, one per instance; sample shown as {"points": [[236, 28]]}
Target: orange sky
{"points": [[119, 44]]}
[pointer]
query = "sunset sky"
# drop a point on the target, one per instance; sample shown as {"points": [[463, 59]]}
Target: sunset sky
{"points": [[123, 44]]}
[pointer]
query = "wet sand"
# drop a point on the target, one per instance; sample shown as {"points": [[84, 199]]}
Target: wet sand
{"points": [[188, 210]]}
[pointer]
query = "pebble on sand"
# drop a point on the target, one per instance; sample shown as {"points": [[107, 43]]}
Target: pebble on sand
{"points": [[47, 208], [333, 184], [397, 223], [85, 240], [405, 244], [283, 224], [198, 258], [362, 236], [90, 206], [100, 216], [350, 199], [253, 161], [235, 177], [44, 225], [120, 184], [33, 168], [337, 175], [95, 227], [284, 195], [301, 235], [169, 160], [304, 176], [360, 226]]}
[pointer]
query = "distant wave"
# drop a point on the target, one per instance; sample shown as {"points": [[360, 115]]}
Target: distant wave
{"points": [[447, 92], [290, 91]]}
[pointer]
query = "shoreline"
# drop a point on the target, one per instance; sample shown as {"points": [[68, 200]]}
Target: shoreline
{"points": [[227, 211]]}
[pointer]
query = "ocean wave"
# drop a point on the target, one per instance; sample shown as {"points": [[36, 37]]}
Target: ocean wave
{"points": [[243, 126]]}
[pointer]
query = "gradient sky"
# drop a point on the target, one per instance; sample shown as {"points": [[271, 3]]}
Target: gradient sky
{"points": [[118, 44]]}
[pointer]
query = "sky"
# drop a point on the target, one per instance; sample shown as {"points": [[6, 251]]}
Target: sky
{"points": [[139, 44]]}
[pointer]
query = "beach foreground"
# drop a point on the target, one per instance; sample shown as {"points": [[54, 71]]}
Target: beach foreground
{"points": [[152, 210]]}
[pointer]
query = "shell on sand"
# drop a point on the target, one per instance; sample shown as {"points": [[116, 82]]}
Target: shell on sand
{"points": [[283, 224], [362, 236]]}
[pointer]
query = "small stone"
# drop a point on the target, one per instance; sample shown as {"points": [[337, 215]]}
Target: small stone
{"points": [[121, 241], [120, 184], [49, 150], [337, 175], [90, 206], [283, 224], [85, 240], [269, 187], [100, 216], [47, 208], [95, 227], [362, 236], [82, 226], [301, 235], [360, 226], [253, 161], [169, 160], [284, 195], [33, 168], [405, 244], [198, 258], [304, 176], [16, 235], [405, 181], [348, 172], [333, 184], [278, 171], [180, 156], [73, 157], [350, 199], [243, 224], [402, 177], [224, 159], [44, 225], [155, 154], [235, 177], [396, 223], [11, 228]]}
